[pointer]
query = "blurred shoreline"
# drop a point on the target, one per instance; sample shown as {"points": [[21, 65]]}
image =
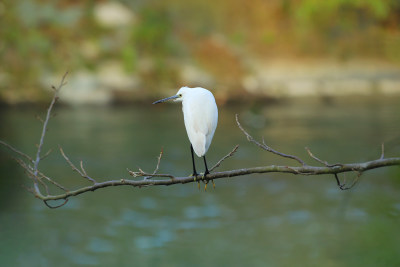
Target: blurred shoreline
{"points": [[275, 80]]}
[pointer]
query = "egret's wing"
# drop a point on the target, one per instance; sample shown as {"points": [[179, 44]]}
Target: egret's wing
{"points": [[201, 116], [212, 121], [195, 125]]}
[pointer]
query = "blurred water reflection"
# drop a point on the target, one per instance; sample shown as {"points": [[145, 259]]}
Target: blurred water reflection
{"points": [[258, 220]]}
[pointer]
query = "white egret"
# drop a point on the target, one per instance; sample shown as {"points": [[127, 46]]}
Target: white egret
{"points": [[200, 114]]}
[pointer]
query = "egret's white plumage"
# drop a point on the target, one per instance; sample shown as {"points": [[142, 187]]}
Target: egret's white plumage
{"points": [[200, 114]]}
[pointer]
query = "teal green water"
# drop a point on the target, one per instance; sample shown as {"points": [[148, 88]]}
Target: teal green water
{"points": [[256, 220]]}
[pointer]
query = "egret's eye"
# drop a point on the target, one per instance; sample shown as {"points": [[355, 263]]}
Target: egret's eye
{"points": [[180, 95]]}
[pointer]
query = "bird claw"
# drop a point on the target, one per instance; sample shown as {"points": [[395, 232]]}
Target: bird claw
{"points": [[195, 176], [202, 176], [206, 183]]}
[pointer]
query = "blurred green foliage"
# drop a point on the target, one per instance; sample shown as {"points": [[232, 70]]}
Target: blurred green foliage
{"points": [[45, 37]]}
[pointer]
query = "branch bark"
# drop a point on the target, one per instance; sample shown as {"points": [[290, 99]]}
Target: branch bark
{"points": [[39, 179], [171, 180]]}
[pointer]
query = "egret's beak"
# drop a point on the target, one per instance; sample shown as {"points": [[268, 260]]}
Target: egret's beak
{"points": [[166, 99]]}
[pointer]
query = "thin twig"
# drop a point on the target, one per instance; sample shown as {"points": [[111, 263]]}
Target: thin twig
{"points": [[29, 189], [295, 171], [325, 163], [338, 181], [230, 154], [47, 154], [315, 158], [158, 161], [83, 169], [53, 182], [16, 151], [36, 178], [141, 173], [55, 207], [23, 164], [39, 118], [74, 168], [29, 172], [265, 146], [355, 181], [46, 121]]}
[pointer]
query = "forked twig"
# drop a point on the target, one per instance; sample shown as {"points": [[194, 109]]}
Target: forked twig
{"points": [[325, 163], [230, 154], [265, 146], [46, 121], [53, 182], [29, 172], [315, 158], [83, 170], [74, 168], [158, 161]]}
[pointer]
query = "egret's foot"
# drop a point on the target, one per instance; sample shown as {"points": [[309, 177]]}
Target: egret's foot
{"points": [[204, 175], [198, 185], [195, 176], [205, 186], [213, 184]]}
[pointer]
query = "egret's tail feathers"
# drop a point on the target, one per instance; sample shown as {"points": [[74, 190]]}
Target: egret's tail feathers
{"points": [[199, 145]]}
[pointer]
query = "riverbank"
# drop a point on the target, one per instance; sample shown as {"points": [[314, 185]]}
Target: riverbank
{"points": [[275, 79]]}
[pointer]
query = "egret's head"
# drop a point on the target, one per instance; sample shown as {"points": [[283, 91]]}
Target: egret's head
{"points": [[176, 98]]}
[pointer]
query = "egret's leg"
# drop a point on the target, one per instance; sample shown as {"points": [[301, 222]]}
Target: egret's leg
{"points": [[205, 164], [194, 166], [207, 172]]}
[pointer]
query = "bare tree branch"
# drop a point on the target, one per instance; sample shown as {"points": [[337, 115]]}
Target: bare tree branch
{"points": [[307, 170], [29, 171], [46, 121], [144, 179], [265, 147], [230, 154], [158, 161], [81, 172], [340, 185]]}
